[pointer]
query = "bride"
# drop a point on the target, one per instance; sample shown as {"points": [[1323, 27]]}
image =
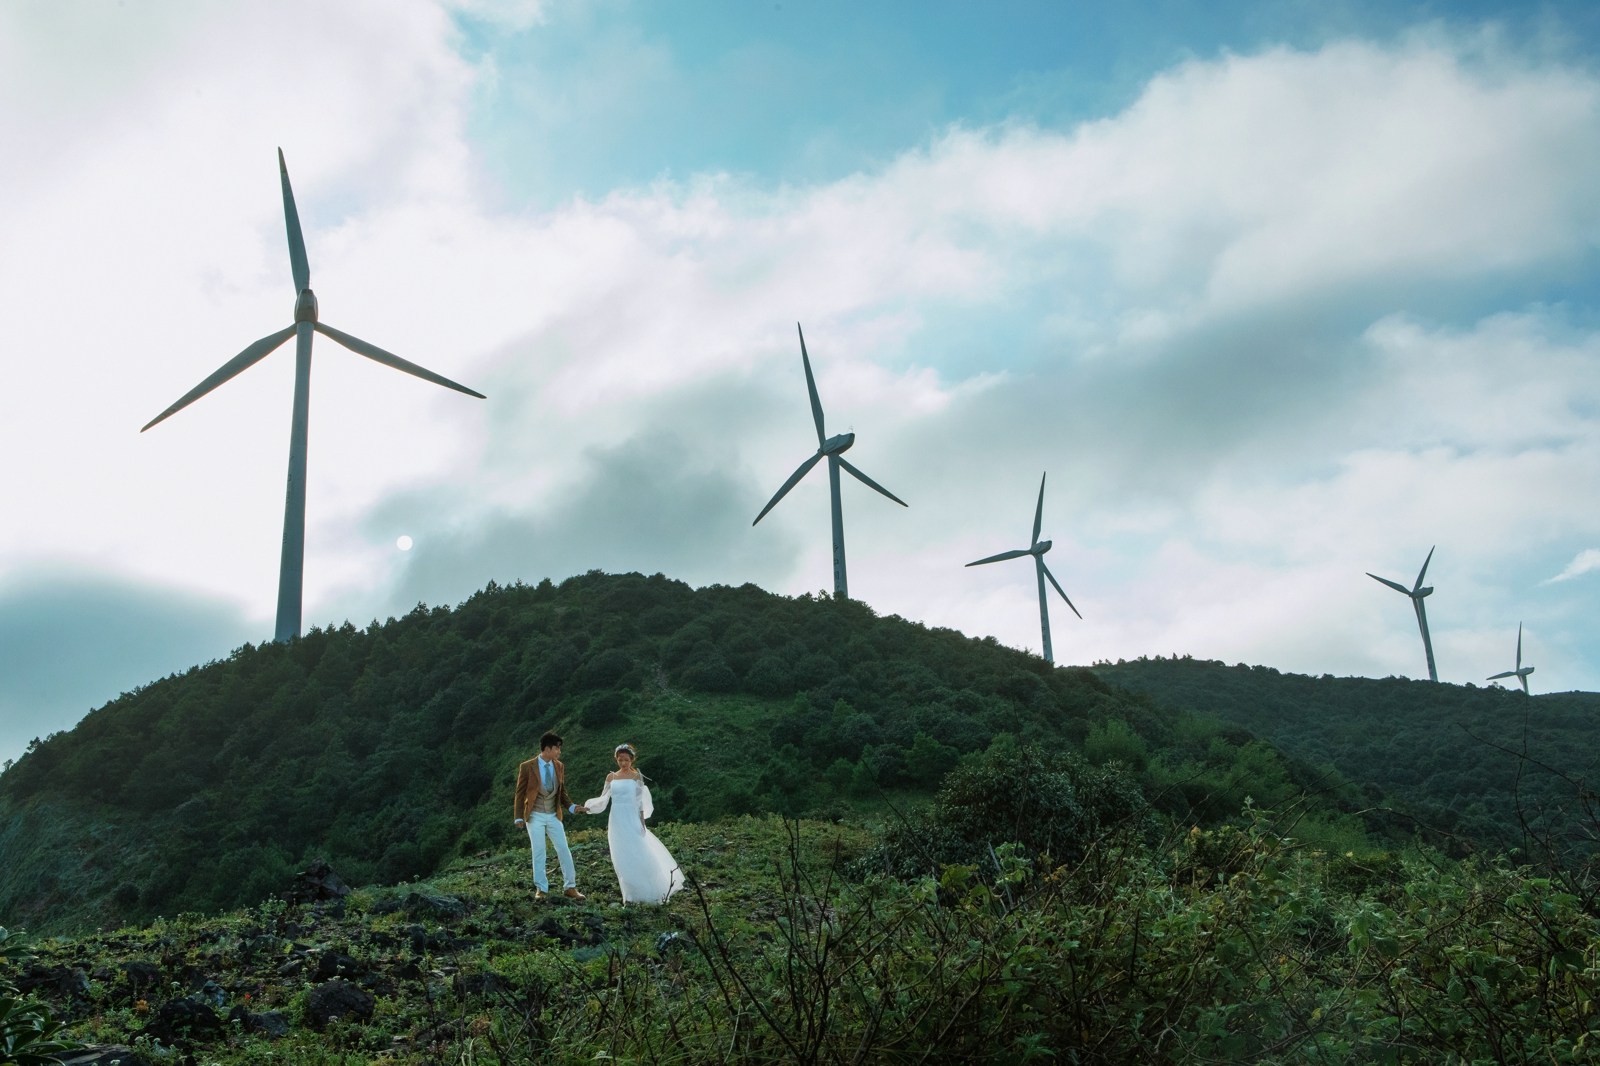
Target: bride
{"points": [[645, 869]]}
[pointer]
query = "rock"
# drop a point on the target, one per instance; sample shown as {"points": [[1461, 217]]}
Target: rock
{"points": [[337, 999], [317, 882], [386, 906], [669, 942], [141, 974], [409, 971], [104, 1055], [332, 964], [189, 1016], [271, 1023], [479, 984], [291, 968], [68, 980], [441, 908]]}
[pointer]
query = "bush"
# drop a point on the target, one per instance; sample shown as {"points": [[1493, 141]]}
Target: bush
{"points": [[1051, 803]]}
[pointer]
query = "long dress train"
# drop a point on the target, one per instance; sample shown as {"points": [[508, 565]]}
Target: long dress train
{"points": [[646, 871]]}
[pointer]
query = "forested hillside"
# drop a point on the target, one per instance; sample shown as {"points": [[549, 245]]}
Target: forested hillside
{"points": [[1462, 758], [392, 749]]}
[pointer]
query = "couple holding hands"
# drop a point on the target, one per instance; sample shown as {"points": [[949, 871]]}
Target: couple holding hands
{"points": [[646, 871]]}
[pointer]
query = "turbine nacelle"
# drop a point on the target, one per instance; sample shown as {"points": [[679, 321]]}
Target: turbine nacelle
{"points": [[837, 444], [1040, 548], [1417, 594], [305, 308]]}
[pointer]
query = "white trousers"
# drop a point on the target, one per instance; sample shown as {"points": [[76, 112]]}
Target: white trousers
{"points": [[538, 826]]}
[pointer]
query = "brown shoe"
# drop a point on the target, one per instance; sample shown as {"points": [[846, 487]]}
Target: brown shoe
{"points": [[573, 893], [538, 894]]}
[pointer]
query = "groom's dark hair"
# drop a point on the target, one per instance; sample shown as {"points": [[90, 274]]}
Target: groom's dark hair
{"points": [[549, 740]]}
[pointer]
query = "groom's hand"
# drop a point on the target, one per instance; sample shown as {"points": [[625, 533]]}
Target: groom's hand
{"points": [[581, 809]]}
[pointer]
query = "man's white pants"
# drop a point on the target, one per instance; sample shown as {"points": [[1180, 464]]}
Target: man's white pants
{"points": [[538, 826]]}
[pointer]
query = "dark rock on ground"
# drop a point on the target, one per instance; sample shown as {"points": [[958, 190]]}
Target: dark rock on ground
{"points": [[440, 908], [104, 1055], [592, 931], [291, 968], [337, 999], [270, 1023], [332, 964], [317, 882], [386, 906], [141, 974], [409, 971], [190, 1016], [334, 910], [479, 984], [68, 980]]}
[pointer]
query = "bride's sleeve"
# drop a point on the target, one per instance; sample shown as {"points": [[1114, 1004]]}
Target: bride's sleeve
{"points": [[646, 808], [595, 806]]}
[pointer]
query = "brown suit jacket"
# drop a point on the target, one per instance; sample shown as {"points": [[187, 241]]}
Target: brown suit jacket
{"points": [[530, 784]]}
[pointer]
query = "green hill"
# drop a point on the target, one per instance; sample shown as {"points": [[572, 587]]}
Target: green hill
{"points": [[391, 750], [1474, 762]]}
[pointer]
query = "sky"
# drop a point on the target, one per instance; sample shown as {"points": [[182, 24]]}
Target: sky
{"points": [[1274, 293]]}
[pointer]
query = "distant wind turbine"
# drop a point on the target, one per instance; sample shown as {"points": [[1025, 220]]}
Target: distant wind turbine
{"points": [[291, 570], [833, 448], [1521, 672], [1417, 594], [1037, 550]]}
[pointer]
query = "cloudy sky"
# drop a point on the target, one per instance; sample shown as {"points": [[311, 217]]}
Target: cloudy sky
{"points": [[1277, 293]]}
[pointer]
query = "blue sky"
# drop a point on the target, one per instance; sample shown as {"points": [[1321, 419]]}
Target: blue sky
{"points": [[613, 94], [1278, 293]]}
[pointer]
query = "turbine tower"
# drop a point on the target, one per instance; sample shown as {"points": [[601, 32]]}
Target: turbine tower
{"points": [[1417, 594], [1521, 672], [1041, 571], [833, 448], [291, 570]]}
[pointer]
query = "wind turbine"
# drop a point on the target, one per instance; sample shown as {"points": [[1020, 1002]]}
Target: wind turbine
{"points": [[291, 569], [1417, 594], [833, 448], [1521, 672], [1041, 571]]}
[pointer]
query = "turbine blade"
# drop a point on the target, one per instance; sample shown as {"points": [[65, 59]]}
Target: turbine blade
{"points": [[297, 243], [1038, 512], [871, 484], [1002, 557], [1497, 677], [1424, 571], [1519, 645], [794, 479], [239, 363], [1057, 584], [378, 355], [1392, 584], [811, 386]]}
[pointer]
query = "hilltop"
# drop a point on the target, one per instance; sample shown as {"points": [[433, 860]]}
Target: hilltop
{"points": [[391, 750], [1470, 761]]}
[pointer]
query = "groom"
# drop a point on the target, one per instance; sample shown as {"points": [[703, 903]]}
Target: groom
{"points": [[541, 804]]}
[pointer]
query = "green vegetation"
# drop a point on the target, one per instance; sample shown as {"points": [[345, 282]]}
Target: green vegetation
{"points": [[29, 1036], [1488, 767], [1240, 944], [904, 845], [392, 750]]}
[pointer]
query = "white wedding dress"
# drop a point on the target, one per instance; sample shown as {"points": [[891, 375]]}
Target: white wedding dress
{"points": [[646, 871]]}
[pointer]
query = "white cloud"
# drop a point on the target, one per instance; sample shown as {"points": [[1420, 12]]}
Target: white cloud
{"points": [[1582, 563]]}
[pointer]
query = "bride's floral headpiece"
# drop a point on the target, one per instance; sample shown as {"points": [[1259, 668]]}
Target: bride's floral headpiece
{"points": [[627, 748]]}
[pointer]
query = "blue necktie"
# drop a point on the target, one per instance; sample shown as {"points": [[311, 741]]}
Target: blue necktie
{"points": [[547, 774]]}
